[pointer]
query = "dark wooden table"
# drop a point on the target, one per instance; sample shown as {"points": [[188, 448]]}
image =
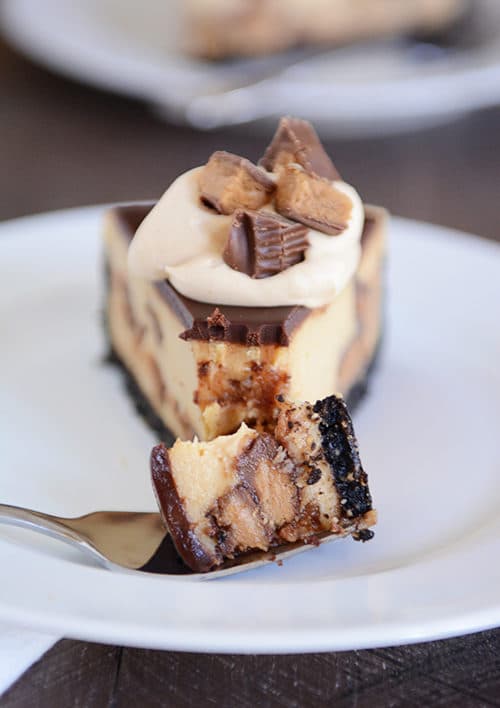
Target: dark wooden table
{"points": [[65, 145]]}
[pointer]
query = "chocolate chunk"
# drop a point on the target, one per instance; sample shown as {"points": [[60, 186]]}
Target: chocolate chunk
{"points": [[312, 200], [229, 181], [314, 476], [173, 513], [296, 141], [363, 535], [261, 243]]}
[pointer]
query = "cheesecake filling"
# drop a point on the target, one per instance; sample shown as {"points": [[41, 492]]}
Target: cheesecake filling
{"points": [[184, 241]]}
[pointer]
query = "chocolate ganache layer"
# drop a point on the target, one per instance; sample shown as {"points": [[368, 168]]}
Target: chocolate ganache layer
{"points": [[252, 326]]}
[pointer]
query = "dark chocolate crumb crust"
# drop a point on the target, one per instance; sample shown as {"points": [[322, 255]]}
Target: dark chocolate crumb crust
{"points": [[341, 451], [363, 535], [139, 400]]}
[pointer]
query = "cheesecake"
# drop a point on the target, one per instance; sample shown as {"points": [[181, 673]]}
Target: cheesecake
{"points": [[242, 283], [257, 491], [220, 28]]}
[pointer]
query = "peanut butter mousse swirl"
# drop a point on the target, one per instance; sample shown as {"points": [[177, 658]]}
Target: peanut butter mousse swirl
{"points": [[185, 236]]}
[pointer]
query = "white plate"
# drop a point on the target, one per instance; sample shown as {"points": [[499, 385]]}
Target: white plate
{"points": [[429, 436], [130, 47]]}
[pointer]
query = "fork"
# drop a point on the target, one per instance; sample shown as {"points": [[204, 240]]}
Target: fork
{"points": [[136, 541]]}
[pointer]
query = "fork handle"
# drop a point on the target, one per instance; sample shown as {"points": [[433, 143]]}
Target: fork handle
{"points": [[46, 524]]}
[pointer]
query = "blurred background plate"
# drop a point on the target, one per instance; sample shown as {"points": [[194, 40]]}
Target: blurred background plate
{"points": [[364, 89]]}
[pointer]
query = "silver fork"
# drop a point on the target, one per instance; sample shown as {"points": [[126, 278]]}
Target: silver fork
{"points": [[135, 541]]}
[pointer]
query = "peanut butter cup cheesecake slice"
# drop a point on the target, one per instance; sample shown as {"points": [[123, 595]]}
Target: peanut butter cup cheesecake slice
{"points": [[220, 28], [244, 282], [253, 491]]}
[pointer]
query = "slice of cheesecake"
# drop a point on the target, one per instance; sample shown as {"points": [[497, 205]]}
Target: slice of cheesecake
{"points": [[260, 280], [196, 369], [221, 28], [255, 491]]}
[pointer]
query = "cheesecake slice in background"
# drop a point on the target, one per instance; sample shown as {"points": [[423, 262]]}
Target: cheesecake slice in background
{"points": [[220, 28]]}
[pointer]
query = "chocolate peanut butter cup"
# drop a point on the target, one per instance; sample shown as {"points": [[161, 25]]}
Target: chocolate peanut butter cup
{"points": [[261, 244]]}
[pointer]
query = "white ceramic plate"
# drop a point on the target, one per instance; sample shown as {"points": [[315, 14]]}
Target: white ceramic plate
{"points": [[131, 47], [429, 436]]}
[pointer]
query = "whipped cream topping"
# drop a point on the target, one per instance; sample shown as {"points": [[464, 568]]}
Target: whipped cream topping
{"points": [[183, 241]]}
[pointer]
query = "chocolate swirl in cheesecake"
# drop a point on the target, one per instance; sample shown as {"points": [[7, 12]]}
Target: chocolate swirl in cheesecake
{"points": [[296, 141]]}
